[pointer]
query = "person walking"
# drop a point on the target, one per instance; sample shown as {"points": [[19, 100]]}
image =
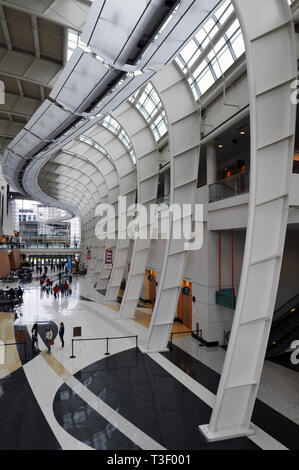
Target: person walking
{"points": [[61, 333], [49, 338], [20, 293], [66, 288], [56, 291], [34, 339]]}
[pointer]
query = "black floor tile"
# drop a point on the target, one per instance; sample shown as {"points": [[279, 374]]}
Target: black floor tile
{"points": [[275, 424], [154, 401], [83, 423], [23, 425]]}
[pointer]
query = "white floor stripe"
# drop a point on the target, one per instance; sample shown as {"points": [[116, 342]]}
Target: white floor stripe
{"points": [[44, 383], [119, 422], [260, 438]]}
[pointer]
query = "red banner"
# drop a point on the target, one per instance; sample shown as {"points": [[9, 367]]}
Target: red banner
{"points": [[108, 259]]}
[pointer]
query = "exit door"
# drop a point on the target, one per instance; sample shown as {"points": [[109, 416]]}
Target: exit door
{"points": [[184, 308]]}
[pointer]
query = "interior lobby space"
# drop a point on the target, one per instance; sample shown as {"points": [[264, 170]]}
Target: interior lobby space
{"points": [[149, 227], [127, 400]]}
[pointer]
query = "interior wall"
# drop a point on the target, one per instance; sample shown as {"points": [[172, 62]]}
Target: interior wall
{"points": [[15, 259], [4, 263]]}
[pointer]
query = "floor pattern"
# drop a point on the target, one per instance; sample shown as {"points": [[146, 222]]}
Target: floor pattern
{"points": [[128, 400]]}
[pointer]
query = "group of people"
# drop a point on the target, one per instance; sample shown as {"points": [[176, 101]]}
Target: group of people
{"points": [[62, 287], [11, 293], [49, 338], [61, 266]]}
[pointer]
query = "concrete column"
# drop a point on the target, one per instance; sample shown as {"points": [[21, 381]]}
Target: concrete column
{"points": [[211, 163]]}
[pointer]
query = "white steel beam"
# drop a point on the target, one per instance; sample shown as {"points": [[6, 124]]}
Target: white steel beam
{"points": [[271, 67]]}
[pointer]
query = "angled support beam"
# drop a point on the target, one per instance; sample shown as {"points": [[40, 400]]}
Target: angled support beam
{"points": [[35, 35], [272, 130], [5, 29]]}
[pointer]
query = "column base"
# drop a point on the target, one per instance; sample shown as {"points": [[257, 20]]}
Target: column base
{"points": [[224, 435]]}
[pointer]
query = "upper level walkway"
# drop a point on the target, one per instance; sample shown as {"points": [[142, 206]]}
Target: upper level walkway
{"points": [[43, 249]]}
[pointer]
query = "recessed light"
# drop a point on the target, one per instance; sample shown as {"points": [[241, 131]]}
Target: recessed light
{"points": [[220, 146], [242, 132]]}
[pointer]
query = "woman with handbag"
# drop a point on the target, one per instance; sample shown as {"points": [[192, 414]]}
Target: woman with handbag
{"points": [[49, 339]]}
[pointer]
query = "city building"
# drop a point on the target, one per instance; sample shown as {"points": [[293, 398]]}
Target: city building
{"points": [[152, 147]]}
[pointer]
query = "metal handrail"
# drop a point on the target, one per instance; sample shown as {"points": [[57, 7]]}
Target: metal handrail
{"points": [[217, 190], [277, 317], [37, 246], [102, 339]]}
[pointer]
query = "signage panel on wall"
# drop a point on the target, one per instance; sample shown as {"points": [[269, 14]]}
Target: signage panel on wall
{"points": [[108, 258], [69, 264]]}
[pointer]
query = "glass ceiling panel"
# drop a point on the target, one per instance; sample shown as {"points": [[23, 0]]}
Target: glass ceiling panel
{"points": [[147, 101], [204, 68]]}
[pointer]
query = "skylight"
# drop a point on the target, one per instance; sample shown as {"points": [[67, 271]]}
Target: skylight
{"points": [[215, 48], [147, 101]]}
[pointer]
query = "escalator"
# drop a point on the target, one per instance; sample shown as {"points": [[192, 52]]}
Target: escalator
{"points": [[284, 330]]}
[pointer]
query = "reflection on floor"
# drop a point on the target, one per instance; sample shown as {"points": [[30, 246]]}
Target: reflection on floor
{"points": [[9, 357], [275, 424], [144, 318], [154, 401], [86, 425], [126, 401]]}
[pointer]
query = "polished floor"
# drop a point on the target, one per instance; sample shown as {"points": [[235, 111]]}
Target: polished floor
{"points": [[127, 400]]}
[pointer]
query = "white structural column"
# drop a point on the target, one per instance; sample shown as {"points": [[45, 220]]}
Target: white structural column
{"points": [[127, 187], [211, 163], [184, 139], [127, 181], [107, 172], [76, 177], [271, 65], [128, 184], [147, 183]]}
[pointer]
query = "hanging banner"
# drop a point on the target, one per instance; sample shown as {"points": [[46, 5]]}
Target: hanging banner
{"points": [[69, 264], [108, 258]]}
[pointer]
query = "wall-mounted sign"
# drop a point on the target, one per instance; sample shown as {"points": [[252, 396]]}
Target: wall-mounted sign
{"points": [[77, 331], [69, 263], [108, 258]]}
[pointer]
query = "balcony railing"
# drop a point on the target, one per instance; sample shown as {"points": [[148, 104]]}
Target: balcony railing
{"points": [[229, 187], [44, 246]]}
